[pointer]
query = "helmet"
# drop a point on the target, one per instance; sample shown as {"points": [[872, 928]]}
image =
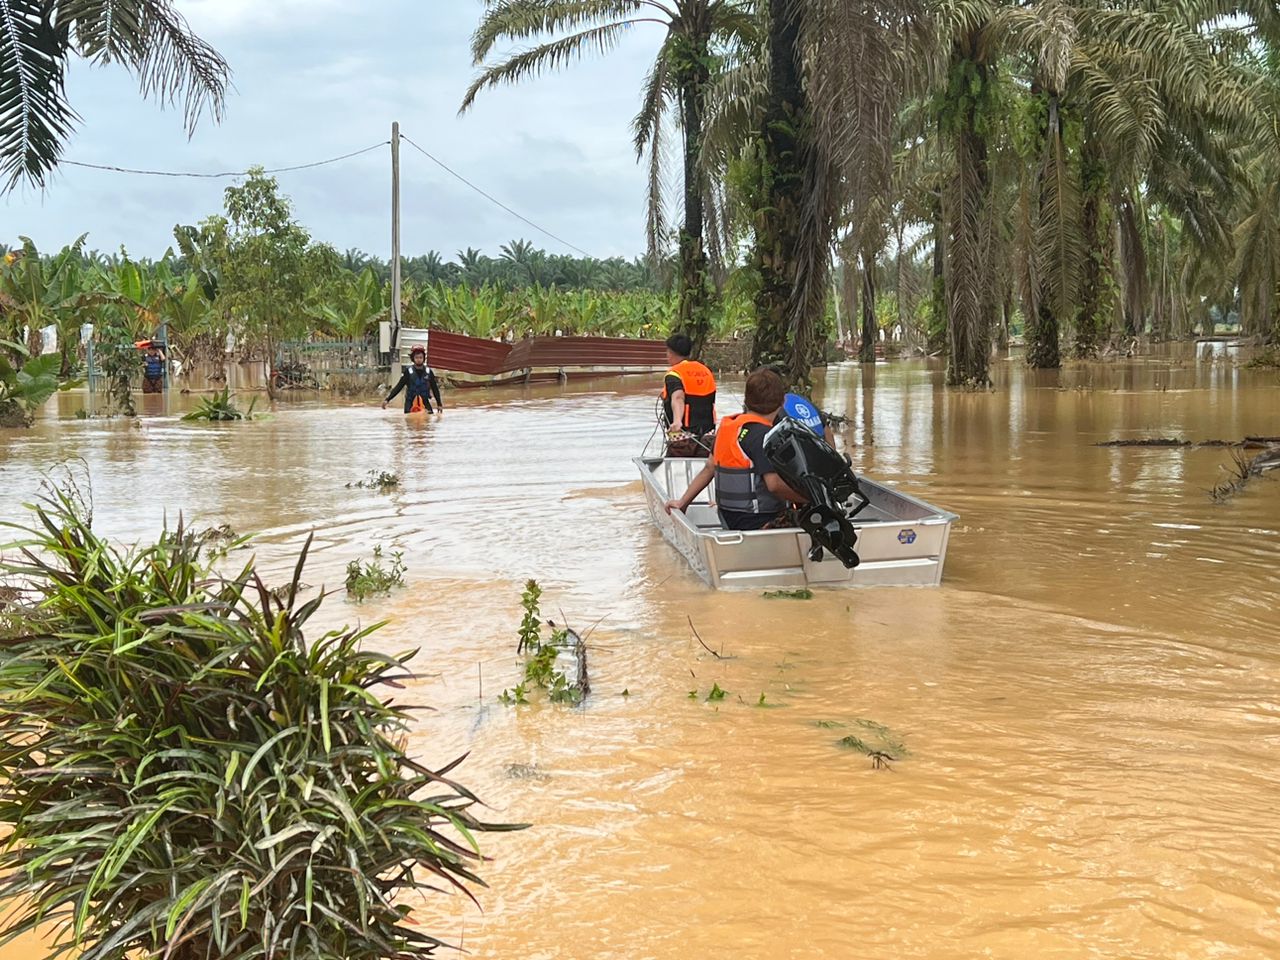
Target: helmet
{"points": [[418, 349]]}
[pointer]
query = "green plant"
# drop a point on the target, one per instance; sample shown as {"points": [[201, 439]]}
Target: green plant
{"points": [[25, 386], [221, 408], [802, 594], [715, 695], [874, 740], [541, 669], [368, 579], [215, 542], [379, 480], [187, 775]]}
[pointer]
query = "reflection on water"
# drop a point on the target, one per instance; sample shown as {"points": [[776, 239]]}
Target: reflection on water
{"points": [[1089, 700]]}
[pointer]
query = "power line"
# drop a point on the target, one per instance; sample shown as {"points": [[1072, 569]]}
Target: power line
{"points": [[492, 199], [320, 163], [217, 176]]}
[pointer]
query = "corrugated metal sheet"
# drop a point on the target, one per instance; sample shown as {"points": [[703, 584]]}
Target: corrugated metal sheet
{"points": [[455, 353], [585, 352]]}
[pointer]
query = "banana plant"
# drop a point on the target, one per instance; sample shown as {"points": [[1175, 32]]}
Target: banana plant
{"points": [[27, 384], [363, 301]]}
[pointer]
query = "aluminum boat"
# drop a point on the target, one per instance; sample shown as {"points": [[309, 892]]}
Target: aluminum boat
{"points": [[902, 541]]}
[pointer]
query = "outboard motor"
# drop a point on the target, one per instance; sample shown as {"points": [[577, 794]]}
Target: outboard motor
{"points": [[812, 466]]}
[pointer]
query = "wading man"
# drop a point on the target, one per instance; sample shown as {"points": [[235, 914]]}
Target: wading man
{"points": [[419, 384]]}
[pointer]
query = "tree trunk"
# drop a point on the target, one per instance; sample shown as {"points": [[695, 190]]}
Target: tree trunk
{"points": [[694, 74], [1091, 321], [849, 293], [867, 354], [778, 222], [936, 333], [969, 280], [1043, 323], [1006, 313]]}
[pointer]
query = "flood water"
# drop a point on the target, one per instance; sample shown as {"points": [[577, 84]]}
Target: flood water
{"points": [[1089, 701]]}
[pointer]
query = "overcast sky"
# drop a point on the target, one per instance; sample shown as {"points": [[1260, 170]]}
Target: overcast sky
{"points": [[318, 78]]}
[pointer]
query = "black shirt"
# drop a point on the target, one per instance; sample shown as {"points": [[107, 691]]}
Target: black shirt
{"points": [[751, 440], [701, 409]]}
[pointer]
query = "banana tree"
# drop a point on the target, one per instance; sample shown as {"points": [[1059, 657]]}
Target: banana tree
{"points": [[362, 302], [25, 385], [42, 292]]}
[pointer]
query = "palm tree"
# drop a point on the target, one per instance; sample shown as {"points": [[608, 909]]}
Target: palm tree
{"points": [[1257, 234], [835, 72], [149, 38], [698, 33]]}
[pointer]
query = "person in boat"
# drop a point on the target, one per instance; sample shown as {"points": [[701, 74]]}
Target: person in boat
{"points": [[749, 492], [688, 400], [153, 368], [802, 410], [419, 384]]}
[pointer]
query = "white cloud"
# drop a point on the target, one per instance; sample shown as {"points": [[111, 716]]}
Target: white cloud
{"points": [[222, 17]]}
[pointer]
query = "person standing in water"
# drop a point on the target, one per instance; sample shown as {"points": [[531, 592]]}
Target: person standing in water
{"points": [[419, 384], [153, 368]]}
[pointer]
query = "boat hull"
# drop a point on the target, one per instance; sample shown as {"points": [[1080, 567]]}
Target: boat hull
{"points": [[902, 541]]}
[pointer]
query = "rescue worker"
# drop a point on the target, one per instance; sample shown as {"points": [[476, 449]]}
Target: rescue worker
{"points": [[417, 381], [749, 493], [153, 369], [688, 400]]}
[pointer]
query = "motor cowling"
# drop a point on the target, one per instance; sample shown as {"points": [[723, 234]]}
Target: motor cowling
{"points": [[810, 465]]}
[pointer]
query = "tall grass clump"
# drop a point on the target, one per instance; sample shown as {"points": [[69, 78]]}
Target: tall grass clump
{"points": [[185, 776]]}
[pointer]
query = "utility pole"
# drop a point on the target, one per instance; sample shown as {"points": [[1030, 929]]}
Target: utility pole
{"points": [[395, 244]]}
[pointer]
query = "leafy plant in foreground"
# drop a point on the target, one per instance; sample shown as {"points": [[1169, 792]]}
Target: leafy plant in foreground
{"points": [[188, 776]]}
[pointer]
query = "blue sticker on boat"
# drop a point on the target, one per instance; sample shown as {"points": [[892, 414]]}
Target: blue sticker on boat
{"points": [[906, 536]]}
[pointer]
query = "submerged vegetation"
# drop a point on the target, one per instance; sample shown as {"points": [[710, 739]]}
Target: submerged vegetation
{"points": [[188, 775], [373, 577], [871, 739], [542, 669], [380, 480], [220, 408]]}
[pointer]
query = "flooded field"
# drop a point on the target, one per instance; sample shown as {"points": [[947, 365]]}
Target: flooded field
{"points": [[1089, 701]]}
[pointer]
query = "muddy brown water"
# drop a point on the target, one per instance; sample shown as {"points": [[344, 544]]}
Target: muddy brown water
{"points": [[1089, 701]]}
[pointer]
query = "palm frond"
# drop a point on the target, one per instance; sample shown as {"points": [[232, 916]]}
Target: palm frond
{"points": [[524, 19], [549, 56], [35, 117]]}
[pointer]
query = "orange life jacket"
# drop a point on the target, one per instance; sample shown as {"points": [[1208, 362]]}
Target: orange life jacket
{"points": [[699, 392], [739, 487]]}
